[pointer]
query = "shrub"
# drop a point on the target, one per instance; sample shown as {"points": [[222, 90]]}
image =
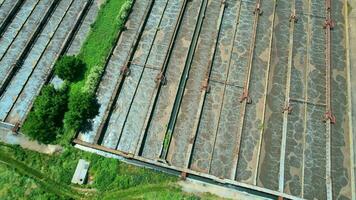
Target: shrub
{"points": [[93, 79], [44, 121], [82, 106], [125, 11], [69, 68]]}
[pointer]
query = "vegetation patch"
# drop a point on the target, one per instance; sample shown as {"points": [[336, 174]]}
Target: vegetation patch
{"points": [[95, 52], [69, 68], [82, 74], [41, 179], [45, 121], [106, 176], [66, 110], [84, 106]]}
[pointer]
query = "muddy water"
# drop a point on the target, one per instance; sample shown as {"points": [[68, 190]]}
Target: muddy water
{"points": [[5, 9], [296, 119], [340, 131], [20, 78], [44, 66], [253, 120], [218, 139], [161, 113], [111, 77], [177, 154], [123, 103], [23, 37], [315, 140], [271, 141], [147, 89], [207, 132]]}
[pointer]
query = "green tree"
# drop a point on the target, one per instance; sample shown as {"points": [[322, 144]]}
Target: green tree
{"points": [[46, 118], [82, 107], [69, 68]]}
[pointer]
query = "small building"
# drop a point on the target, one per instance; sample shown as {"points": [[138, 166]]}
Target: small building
{"points": [[81, 172]]}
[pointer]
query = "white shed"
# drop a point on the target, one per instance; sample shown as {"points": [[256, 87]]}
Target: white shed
{"points": [[81, 172]]}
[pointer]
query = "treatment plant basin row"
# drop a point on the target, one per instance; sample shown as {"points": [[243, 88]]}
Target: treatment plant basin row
{"points": [[231, 90], [250, 93]]}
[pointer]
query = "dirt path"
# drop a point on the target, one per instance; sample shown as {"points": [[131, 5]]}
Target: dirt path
{"points": [[197, 187], [8, 137]]}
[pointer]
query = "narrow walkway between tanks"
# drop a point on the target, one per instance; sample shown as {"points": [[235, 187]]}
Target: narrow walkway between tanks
{"points": [[352, 52]]}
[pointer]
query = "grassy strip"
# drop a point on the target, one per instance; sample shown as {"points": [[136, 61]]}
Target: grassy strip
{"points": [[14, 185], [155, 191], [45, 183], [81, 104], [95, 53], [106, 174], [102, 38], [140, 192]]}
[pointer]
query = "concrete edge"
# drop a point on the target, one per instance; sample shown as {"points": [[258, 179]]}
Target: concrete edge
{"points": [[349, 91]]}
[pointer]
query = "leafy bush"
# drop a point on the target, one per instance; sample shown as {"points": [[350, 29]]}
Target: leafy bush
{"points": [[125, 10], [45, 121], [93, 79], [69, 68], [82, 106], [95, 51]]}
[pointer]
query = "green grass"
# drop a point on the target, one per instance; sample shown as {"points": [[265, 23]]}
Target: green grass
{"points": [[151, 191], [51, 175], [46, 183], [95, 51], [101, 39], [26, 174], [17, 186], [107, 173]]}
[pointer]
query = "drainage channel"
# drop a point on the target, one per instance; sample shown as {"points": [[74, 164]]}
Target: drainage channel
{"points": [[84, 29], [329, 116], [151, 78], [185, 41], [341, 167], [295, 131], [7, 12], [27, 11], [161, 79], [111, 80], [314, 155], [136, 67], [169, 168], [205, 142], [30, 63], [22, 45], [165, 143], [287, 109], [245, 97], [192, 99], [43, 72], [270, 143], [205, 88]]}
